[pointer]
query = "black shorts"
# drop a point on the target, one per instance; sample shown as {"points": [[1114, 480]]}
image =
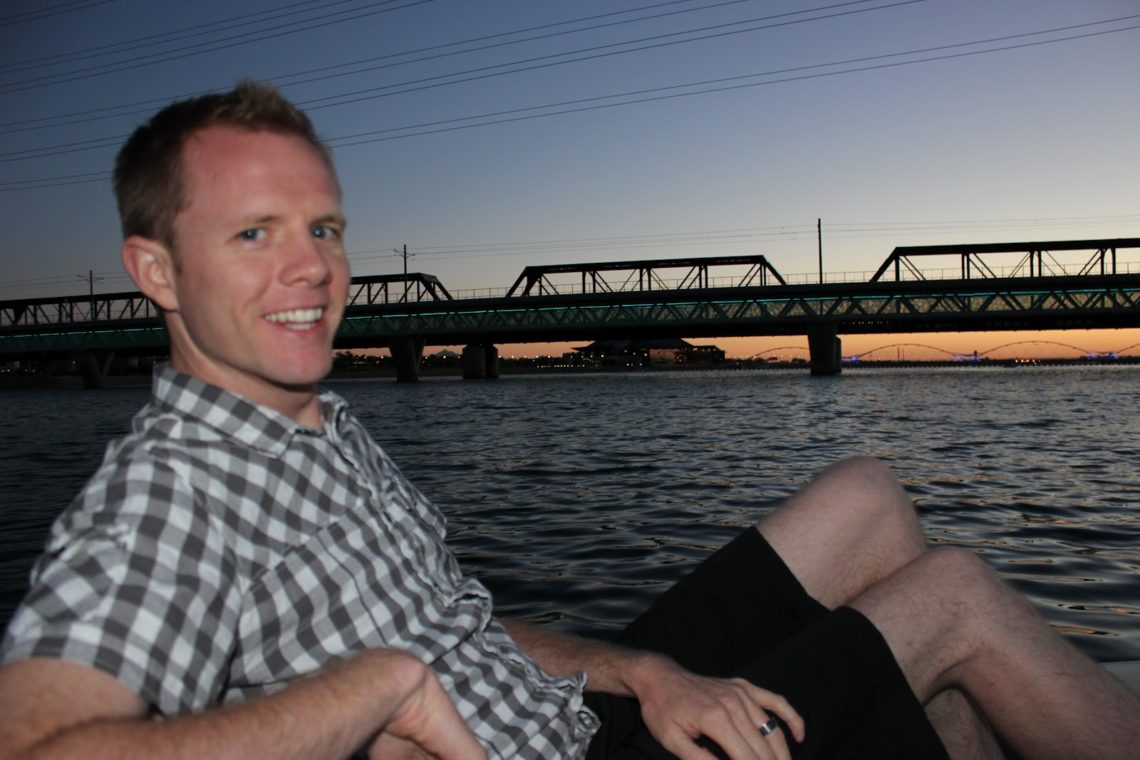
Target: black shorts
{"points": [[743, 613]]}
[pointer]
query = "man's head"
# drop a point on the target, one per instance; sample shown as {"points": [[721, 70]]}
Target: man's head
{"points": [[148, 170], [245, 256]]}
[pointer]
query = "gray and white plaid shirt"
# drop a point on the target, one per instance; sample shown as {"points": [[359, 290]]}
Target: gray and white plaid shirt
{"points": [[222, 551]]}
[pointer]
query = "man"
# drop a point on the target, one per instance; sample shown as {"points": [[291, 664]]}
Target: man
{"points": [[248, 566]]}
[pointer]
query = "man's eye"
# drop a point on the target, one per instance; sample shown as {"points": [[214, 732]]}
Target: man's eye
{"points": [[324, 232], [252, 235]]}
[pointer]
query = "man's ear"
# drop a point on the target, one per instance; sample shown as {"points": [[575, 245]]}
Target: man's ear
{"points": [[151, 265]]}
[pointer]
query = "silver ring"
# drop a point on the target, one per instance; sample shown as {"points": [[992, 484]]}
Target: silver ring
{"points": [[769, 727]]}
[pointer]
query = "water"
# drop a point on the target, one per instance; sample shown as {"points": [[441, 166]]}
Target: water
{"points": [[579, 498]]}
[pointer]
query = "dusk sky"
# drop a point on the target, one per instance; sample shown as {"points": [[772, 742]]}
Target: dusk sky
{"points": [[488, 135]]}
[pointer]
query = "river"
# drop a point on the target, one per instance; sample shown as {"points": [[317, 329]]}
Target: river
{"points": [[577, 498]]}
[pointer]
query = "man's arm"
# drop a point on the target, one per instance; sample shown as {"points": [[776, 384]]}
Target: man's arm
{"points": [[57, 709], [678, 706]]}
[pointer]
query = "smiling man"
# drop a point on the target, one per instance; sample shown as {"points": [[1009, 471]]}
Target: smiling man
{"points": [[254, 280], [248, 566]]}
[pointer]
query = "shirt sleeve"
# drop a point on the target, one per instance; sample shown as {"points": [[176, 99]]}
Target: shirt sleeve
{"points": [[136, 582]]}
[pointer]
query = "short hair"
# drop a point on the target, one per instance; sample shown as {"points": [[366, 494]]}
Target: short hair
{"points": [[148, 179]]}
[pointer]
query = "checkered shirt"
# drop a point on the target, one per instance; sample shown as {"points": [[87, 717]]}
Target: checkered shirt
{"points": [[223, 551]]}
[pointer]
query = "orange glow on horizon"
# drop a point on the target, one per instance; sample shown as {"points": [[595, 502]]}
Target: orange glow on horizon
{"points": [[1040, 344]]}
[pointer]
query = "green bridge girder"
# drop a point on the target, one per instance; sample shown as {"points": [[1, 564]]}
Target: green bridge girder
{"points": [[1030, 303], [1055, 303]]}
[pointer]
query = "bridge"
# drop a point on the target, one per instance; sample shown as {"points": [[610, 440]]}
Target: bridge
{"points": [[1034, 290]]}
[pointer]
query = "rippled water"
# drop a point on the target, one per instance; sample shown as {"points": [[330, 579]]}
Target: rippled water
{"points": [[579, 498]]}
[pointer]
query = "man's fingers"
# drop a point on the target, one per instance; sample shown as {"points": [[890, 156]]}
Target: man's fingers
{"points": [[779, 743], [775, 703], [734, 729]]}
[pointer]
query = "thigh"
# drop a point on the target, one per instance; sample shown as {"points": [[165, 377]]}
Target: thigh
{"points": [[743, 613], [840, 675], [740, 601]]}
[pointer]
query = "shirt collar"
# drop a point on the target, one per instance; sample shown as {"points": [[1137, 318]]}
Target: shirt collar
{"points": [[253, 425]]}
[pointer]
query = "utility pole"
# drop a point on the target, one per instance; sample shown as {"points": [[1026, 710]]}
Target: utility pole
{"points": [[405, 254], [91, 292], [819, 239]]}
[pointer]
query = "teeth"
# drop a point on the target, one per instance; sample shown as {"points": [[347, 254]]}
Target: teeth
{"points": [[296, 319]]}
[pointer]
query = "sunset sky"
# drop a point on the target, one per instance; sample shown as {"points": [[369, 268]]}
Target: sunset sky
{"points": [[494, 134]]}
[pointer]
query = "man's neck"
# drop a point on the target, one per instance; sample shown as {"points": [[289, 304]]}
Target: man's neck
{"points": [[300, 403]]}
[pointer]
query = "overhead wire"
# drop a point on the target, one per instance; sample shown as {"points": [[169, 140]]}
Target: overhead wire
{"points": [[191, 50], [545, 61], [740, 236], [631, 97], [42, 13], [593, 103], [284, 80], [160, 38], [431, 127], [736, 237]]}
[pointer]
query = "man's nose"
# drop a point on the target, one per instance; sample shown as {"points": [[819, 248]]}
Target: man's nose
{"points": [[307, 262]]}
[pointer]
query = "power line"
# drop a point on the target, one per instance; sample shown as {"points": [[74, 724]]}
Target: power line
{"points": [[737, 237], [525, 65], [545, 61], [740, 236], [155, 39], [42, 13], [148, 106], [438, 126], [192, 50], [650, 94], [69, 179]]}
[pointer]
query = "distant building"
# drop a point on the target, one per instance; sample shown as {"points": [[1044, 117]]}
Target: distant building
{"points": [[651, 352]]}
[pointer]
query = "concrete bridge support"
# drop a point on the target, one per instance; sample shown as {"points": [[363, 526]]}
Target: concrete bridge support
{"points": [[491, 360], [93, 367], [480, 362], [825, 348], [406, 353]]}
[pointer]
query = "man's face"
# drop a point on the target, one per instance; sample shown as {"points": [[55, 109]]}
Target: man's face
{"points": [[261, 276]]}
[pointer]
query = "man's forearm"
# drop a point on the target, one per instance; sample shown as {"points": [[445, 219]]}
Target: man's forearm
{"points": [[608, 667], [331, 714]]}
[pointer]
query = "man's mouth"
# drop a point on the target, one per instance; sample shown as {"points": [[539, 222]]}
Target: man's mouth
{"points": [[297, 319]]}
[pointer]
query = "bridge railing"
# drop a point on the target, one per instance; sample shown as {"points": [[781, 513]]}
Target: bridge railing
{"points": [[1102, 256], [17, 315], [807, 278], [72, 310]]}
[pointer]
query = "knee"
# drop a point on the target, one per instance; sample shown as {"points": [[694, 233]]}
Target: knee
{"points": [[868, 484], [961, 580], [956, 566], [863, 468]]}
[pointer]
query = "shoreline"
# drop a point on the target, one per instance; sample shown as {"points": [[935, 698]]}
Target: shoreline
{"points": [[75, 382]]}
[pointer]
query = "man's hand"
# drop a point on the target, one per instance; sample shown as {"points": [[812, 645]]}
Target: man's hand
{"points": [[425, 723], [679, 707]]}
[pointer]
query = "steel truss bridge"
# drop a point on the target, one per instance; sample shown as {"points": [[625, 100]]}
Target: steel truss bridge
{"points": [[1034, 289]]}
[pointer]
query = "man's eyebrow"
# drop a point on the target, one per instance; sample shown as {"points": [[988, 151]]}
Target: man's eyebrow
{"points": [[261, 219], [338, 219]]}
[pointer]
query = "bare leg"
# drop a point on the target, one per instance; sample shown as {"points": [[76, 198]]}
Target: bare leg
{"points": [[850, 528], [952, 623], [964, 733], [846, 530]]}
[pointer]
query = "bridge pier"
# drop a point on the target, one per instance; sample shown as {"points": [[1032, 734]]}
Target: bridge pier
{"points": [[480, 362], [825, 348], [93, 367], [407, 353]]}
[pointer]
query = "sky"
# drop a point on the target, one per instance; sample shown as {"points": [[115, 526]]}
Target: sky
{"points": [[489, 135]]}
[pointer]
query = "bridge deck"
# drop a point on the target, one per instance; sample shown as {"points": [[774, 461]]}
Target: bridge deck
{"points": [[418, 307]]}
